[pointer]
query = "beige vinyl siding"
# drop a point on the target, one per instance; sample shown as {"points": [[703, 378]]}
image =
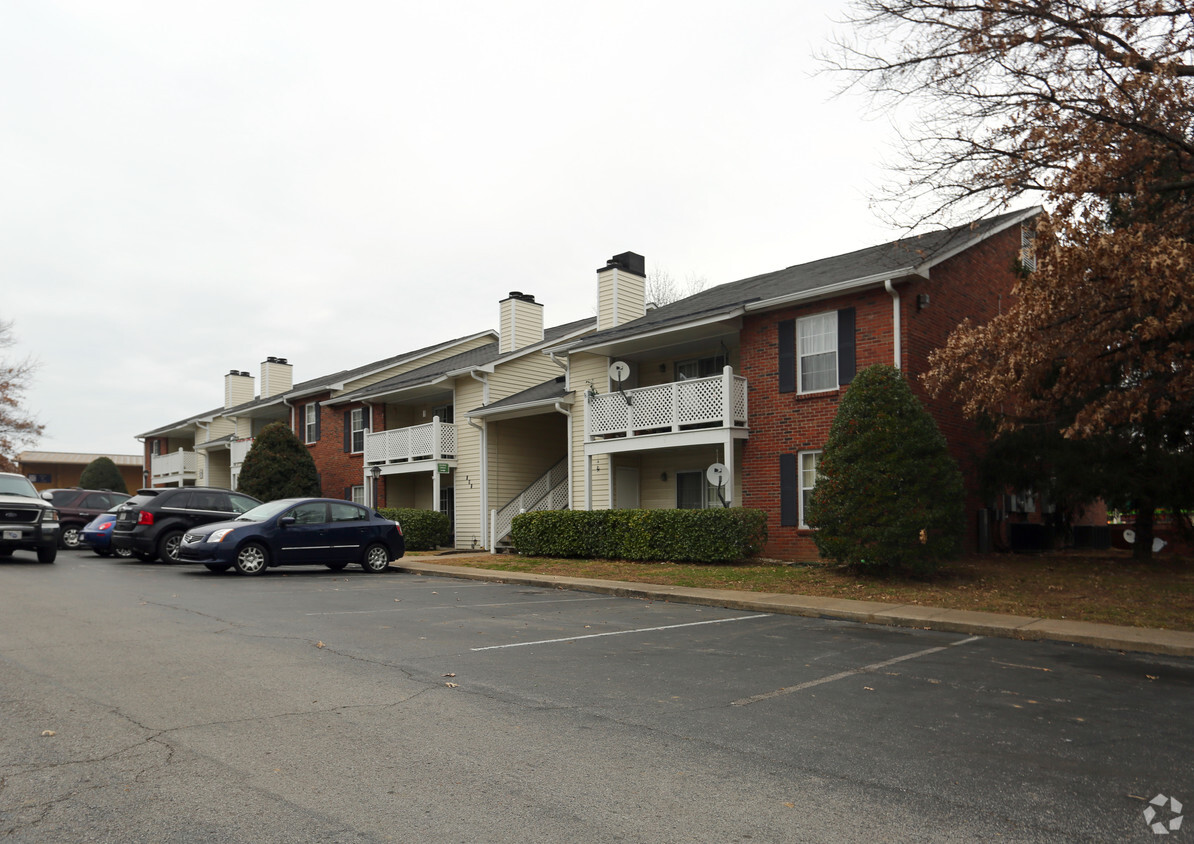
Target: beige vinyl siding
{"points": [[658, 494], [621, 297], [468, 464], [520, 450], [423, 360], [586, 368], [518, 375], [411, 490]]}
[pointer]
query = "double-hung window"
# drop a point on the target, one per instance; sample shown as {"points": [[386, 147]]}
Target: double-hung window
{"points": [[797, 480], [816, 352], [356, 429], [311, 422], [810, 461], [694, 492]]}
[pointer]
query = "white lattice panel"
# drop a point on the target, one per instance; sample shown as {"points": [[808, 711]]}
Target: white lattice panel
{"points": [[652, 407], [699, 400], [607, 414], [739, 405]]}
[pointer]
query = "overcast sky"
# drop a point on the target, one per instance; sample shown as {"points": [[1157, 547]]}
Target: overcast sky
{"points": [[189, 188]]}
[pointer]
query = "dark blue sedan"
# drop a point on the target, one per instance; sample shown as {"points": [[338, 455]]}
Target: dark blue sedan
{"points": [[97, 535], [296, 532]]}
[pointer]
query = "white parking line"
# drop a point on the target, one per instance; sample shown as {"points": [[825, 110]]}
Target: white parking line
{"points": [[620, 632], [787, 690]]}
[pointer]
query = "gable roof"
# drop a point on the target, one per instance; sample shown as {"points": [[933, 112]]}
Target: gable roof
{"points": [[863, 267]]}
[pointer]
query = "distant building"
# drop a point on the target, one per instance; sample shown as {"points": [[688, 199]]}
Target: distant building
{"points": [[62, 469]]}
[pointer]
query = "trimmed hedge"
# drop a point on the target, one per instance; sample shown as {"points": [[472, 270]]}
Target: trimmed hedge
{"points": [[423, 530], [719, 535]]}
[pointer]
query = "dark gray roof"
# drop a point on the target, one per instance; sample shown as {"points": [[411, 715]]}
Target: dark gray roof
{"points": [[182, 423], [898, 255], [552, 390]]}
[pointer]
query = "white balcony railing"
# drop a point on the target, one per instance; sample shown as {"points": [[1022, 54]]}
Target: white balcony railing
{"points": [[177, 465], [239, 449], [719, 401], [433, 441]]}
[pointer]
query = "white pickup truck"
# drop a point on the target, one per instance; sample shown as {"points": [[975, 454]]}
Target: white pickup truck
{"points": [[27, 521]]}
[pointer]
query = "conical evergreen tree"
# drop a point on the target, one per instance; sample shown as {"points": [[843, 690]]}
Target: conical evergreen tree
{"points": [[101, 473], [278, 466], [888, 494]]}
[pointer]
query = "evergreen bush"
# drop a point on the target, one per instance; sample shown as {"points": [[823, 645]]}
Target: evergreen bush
{"points": [[422, 530], [278, 466], [718, 535], [888, 494], [101, 473]]}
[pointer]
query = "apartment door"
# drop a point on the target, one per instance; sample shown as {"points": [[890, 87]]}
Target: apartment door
{"points": [[625, 488]]}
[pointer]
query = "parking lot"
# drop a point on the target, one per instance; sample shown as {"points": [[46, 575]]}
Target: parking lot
{"points": [[584, 714]]}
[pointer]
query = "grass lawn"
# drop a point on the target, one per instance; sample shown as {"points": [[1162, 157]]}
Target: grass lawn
{"points": [[1103, 586]]}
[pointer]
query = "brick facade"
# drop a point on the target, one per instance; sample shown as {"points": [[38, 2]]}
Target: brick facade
{"points": [[339, 469], [975, 283]]}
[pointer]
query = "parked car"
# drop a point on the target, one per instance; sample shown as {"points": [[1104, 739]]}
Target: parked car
{"points": [[297, 532], [152, 522], [97, 535], [76, 507], [27, 521]]}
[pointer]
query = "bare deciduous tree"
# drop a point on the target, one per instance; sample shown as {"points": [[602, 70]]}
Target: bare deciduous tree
{"points": [[663, 288], [17, 427]]}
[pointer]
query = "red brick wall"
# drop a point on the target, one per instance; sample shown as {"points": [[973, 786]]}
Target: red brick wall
{"points": [[337, 469], [975, 283]]}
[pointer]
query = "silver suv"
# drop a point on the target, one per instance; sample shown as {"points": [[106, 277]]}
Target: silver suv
{"points": [[27, 521]]}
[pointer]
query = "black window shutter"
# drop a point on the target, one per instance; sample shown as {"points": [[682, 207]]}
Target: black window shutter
{"points": [[347, 431], [787, 356], [846, 366], [789, 491], [348, 493], [318, 414]]}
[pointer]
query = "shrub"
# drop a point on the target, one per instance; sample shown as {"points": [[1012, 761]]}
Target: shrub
{"points": [[888, 494], [423, 530], [278, 466], [101, 473], [699, 536]]}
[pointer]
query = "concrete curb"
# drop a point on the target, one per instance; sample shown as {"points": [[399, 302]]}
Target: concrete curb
{"points": [[1108, 636]]}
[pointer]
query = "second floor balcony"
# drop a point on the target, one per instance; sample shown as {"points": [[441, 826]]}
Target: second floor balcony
{"points": [[239, 449], [695, 404], [432, 441], [176, 467]]}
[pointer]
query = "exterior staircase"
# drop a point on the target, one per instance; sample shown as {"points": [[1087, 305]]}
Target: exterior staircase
{"points": [[547, 492]]}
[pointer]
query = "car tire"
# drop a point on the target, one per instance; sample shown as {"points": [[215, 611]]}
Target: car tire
{"points": [[252, 559], [335, 566], [168, 545], [216, 567], [376, 558], [123, 552], [70, 536], [47, 554]]}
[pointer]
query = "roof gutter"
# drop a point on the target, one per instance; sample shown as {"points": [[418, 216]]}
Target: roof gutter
{"points": [[875, 280]]}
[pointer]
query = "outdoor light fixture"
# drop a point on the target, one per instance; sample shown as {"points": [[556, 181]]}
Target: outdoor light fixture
{"points": [[922, 301]]}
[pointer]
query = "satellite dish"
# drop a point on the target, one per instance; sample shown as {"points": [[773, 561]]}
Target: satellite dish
{"points": [[1129, 536], [717, 474], [619, 371], [1158, 544]]}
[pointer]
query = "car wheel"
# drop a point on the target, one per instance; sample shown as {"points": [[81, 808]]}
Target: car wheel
{"points": [[216, 567], [252, 559], [47, 554], [376, 559], [122, 552], [335, 566], [70, 536], [168, 546]]}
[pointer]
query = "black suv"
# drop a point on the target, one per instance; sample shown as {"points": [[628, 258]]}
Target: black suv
{"points": [[152, 522], [27, 521], [76, 507]]}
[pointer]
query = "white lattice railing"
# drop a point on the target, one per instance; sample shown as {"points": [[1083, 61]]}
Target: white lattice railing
{"points": [[434, 440], [239, 449], [174, 465], [703, 402], [547, 492]]}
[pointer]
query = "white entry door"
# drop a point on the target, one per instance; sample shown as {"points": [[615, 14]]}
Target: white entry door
{"points": [[625, 488]]}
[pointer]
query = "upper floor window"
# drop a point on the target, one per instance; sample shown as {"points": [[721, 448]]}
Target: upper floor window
{"points": [[355, 429], [311, 422], [816, 353], [155, 447]]}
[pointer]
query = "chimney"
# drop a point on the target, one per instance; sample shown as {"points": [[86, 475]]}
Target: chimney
{"points": [[277, 376], [238, 388], [521, 322], [621, 290]]}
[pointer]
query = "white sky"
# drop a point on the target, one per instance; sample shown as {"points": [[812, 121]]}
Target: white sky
{"points": [[189, 188]]}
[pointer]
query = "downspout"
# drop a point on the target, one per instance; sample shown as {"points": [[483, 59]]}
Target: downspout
{"points": [[291, 406], [895, 321], [484, 477], [206, 426], [484, 379], [568, 415]]}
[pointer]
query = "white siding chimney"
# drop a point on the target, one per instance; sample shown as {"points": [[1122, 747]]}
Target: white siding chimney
{"points": [[238, 388], [277, 376], [621, 290], [521, 322]]}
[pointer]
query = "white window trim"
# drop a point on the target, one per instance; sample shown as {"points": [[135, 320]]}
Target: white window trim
{"points": [[358, 495], [800, 357], [357, 413], [800, 487], [309, 418]]}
